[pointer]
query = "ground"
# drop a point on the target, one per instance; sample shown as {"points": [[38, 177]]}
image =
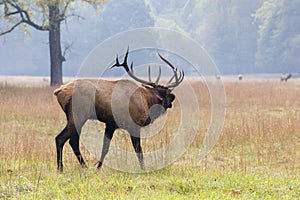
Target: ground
{"points": [[257, 155]]}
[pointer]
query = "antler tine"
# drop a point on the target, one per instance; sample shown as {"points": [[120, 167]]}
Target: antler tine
{"points": [[149, 73], [117, 60], [181, 73], [175, 73], [124, 64], [126, 56], [180, 76], [171, 79], [130, 70], [158, 77], [131, 67], [117, 64], [179, 80], [166, 61]]}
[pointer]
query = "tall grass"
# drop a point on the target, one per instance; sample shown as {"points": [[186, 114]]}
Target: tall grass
{"points": [[257, 155], [262, 125]]}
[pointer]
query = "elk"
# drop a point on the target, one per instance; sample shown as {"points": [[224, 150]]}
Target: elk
{"points": [[240, 77], [285, 77], [105, 100]]}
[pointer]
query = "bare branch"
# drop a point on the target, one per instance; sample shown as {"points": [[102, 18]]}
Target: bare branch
{"points": [[67, 48], [6, 9], [7, 14], [63, 13], [74, 15], [11, 29], [36, 26], [28, 20], [63, 16]]}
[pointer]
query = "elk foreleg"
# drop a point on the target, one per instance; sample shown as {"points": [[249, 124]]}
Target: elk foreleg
{"points": [[109, 132], [136, 142]]}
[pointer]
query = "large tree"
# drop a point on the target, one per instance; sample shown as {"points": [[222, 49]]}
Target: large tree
{"points": [[43, 15]]}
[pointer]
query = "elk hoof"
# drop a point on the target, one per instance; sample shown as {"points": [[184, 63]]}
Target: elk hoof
{"points": [[99, 164]]}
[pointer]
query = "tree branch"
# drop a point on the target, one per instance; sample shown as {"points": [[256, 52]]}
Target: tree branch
{"points": [[75, 15], [64, 16], [12, 13], [25, 18], [63, 13], [11, 29], [36, 26], [67, 48]]}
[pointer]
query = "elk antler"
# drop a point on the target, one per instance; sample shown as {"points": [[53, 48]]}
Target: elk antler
{"points": [[178, 80], [150, 83], [131, 73]]}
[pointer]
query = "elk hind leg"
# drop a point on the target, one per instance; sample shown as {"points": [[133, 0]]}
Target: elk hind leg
{"points": [[74, 143], [60, 141]]}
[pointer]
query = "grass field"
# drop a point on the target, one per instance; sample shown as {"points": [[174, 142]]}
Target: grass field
{"points": [[256, 157]]}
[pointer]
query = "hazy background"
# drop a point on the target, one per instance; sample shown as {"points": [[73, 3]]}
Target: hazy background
{"points": [[241, 36]]}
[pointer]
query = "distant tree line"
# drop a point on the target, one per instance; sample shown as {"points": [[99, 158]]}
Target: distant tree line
{"points": [[249, 36]]}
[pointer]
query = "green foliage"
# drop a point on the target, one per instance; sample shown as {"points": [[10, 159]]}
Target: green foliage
{"points": [[241, 36], [278, 44], [224, 28], [116, 19]]}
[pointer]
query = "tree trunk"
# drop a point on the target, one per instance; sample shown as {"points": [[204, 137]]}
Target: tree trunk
{"points": [[56, 57]]}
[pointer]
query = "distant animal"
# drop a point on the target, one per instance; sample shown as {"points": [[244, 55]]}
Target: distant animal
{"points": [[105, 101], [240, 77], [285, 77]]}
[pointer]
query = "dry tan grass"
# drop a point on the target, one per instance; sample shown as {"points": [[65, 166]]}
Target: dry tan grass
{"points": [[261, 130], [262, 126]]}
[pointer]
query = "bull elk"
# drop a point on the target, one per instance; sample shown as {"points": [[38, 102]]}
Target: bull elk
{"points": [[86, 99]]}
